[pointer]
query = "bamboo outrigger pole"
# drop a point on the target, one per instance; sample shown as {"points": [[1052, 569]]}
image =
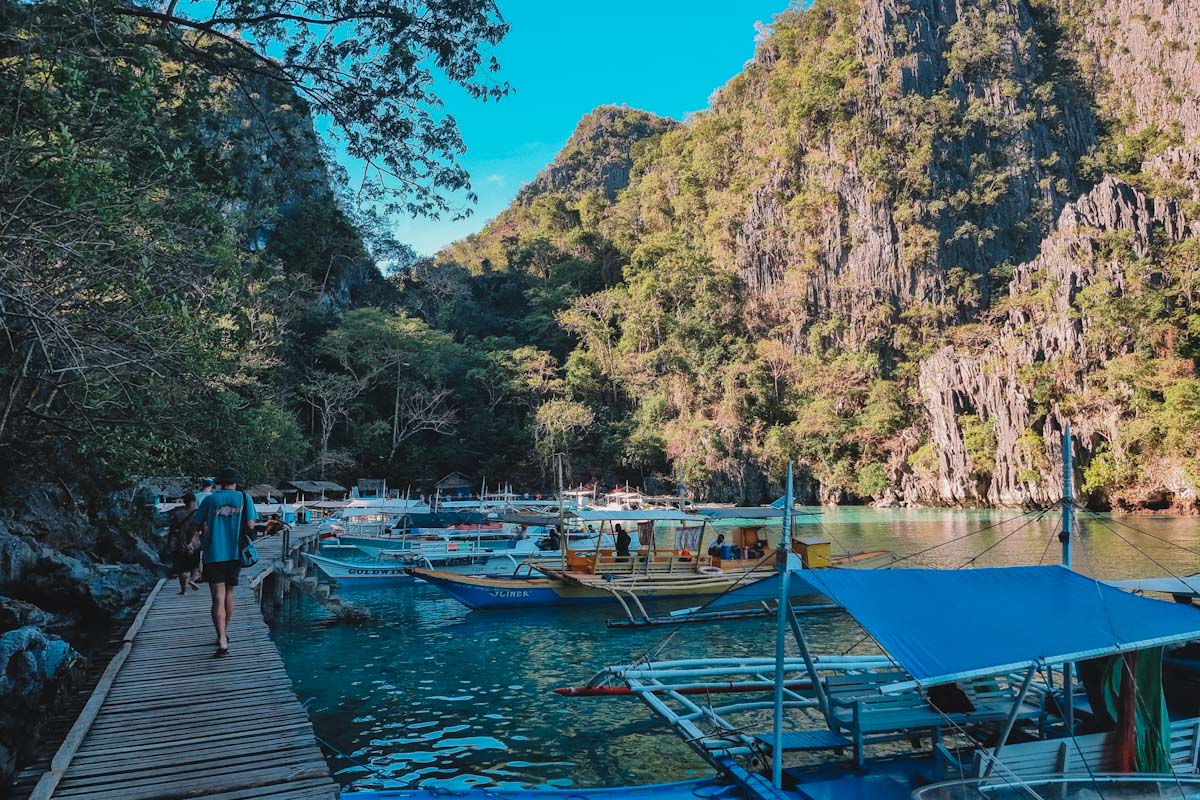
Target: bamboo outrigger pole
{"points": [[562, 533], [1064, 536], [781, 627]]}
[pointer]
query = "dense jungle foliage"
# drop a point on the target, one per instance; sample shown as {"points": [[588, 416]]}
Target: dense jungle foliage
{"points": [[186, 281]]}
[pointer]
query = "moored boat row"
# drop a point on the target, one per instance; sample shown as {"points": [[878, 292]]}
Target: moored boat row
{"points": [[1009, 682]]}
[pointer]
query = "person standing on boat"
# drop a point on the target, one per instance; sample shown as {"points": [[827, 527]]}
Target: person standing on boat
{"points": [[185, 559], [624, 540], [223, 517], [554, 540]]}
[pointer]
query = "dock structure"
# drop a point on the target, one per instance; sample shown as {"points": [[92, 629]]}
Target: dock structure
{"points": [[170, 720], [295, 572]]}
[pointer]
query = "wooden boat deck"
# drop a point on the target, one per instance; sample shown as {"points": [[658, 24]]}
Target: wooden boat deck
{"points": [[168, 720]]}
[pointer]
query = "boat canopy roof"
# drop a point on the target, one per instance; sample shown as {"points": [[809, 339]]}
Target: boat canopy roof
{"points": [[1005, 618], [655, 514], [277, 508], [444, 519], [368, 505], [750, 512], [524, 518]]}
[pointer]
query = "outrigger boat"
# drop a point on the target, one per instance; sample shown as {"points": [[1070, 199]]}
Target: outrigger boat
{"points": [[368, 516], [601, 575], [1026, 682], [413, 529], [446, 555]]}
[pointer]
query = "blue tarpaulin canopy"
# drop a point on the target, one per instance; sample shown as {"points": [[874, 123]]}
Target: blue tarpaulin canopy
{"points": [[947, 625]]}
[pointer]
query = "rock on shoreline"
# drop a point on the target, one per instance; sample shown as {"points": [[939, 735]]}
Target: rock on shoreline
{"points": [[68, 574]]}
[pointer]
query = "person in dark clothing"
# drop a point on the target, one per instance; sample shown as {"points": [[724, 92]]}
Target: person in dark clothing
{"points": [[554, 540], [623, 541], [185, 559], [715, 548]]}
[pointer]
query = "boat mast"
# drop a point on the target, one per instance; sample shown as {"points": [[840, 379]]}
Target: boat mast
{"points": [[1064, 536], [781, 626], [1068, 498], [404, 523], [562, 531]]}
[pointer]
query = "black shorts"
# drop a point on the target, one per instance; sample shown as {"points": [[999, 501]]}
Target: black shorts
{"points": [[225, 572], [184, 562]]}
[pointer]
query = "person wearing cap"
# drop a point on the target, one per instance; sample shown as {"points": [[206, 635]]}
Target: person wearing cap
{"points": [[185, 559], [223, 517], [206, 488]]}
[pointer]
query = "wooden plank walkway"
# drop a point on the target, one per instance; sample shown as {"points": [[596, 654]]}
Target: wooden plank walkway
{"points": [[168, 720]]}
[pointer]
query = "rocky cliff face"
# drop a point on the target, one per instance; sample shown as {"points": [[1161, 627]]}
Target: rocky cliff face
{"points": [[1139, 57], [955, 227], [982, 115], [988, 378], [944, 141], [1140, 60]]}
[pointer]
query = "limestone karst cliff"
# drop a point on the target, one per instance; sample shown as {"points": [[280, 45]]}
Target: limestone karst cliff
{"points": [[905, 246]]}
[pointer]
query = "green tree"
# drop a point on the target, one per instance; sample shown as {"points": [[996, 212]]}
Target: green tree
{"points": [[367, 66]]}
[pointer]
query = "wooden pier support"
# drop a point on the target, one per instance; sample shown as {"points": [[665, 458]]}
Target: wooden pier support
{"points": [[323, 593]]}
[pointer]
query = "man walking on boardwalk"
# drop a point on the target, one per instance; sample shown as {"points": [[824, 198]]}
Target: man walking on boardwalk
{"points": [[222, 518]]}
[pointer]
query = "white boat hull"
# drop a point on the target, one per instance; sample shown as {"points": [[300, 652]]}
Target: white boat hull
{"points": [[393, 572]]}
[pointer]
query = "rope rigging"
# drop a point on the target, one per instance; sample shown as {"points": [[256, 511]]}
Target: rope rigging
{"points": [[968, 535], [1027, 519]]}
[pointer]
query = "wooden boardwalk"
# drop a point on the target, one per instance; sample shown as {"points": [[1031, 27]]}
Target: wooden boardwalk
{"points": [[168, 720]]}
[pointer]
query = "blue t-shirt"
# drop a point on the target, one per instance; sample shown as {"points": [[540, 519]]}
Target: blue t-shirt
{"points": [[221, 515]]}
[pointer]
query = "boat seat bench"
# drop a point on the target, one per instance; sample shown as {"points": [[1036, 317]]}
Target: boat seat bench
{"points": [[806, 741], [1088, 754], [859, 709]]}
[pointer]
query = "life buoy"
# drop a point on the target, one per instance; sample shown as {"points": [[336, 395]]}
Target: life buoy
{"points": [[711, 571]]}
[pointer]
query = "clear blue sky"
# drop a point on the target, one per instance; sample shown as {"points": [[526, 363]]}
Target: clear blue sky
{"points": [[564, 59]]}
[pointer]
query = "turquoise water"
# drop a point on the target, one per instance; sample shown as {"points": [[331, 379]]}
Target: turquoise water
{"points": [[431, 693]]}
